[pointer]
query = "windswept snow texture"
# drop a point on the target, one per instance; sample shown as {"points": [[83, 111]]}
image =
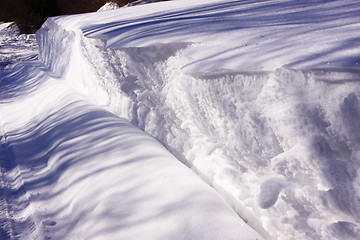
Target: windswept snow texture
{"points": [[15, 47], [72, 170], [108, 6], [260, 98]]}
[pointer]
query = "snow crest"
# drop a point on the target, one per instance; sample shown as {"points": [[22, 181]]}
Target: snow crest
{"points": [[108, 6], [72, 170], [282, 146], [15, 47]]}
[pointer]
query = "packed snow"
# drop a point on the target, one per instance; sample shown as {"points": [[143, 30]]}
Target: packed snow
{"points": [[15, 47], [73, 170], [109, 6], [259, 98]]}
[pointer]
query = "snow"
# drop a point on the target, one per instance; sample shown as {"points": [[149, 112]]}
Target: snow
{"points": [[269, 192], [15, 46], [259, 98], [112, 5], [108, 6], [141, 2], [72, 170]]}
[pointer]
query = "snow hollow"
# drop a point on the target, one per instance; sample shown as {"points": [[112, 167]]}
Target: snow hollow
{"points": [[259, 98]]}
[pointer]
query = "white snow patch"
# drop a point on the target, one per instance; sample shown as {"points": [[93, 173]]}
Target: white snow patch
{"points": [[73, 170], [15, 47], [261, 99], [108, 6], [187, 77]]}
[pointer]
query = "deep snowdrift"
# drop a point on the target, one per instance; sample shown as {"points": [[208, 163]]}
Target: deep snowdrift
{"points": [[72, 170], [260, 98], [15, 46]]}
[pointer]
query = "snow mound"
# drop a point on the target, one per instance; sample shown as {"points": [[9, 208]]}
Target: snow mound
{"points": [[260, 98], [141, 2], [108, 6], [269, 193], [15, 47], [262, 103], [73, 170]]}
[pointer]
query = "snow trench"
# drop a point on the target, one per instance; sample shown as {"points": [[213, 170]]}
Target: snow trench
{"points": [[281, 147]]}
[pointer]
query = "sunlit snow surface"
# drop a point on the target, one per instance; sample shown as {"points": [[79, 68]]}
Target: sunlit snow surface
{"points": [[14, 46], [260, 98], [73, 170]]}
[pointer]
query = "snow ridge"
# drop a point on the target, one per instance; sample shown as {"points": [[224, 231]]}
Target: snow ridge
{"points": [[81, 172], [262, 133], [270, 125], [15, 46], [16, 217], [73, 170]]}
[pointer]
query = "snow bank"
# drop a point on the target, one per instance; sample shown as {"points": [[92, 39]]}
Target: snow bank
{"points": [[15, 47], [108, 6], [72, 170], [141, 2], [259, 98]]}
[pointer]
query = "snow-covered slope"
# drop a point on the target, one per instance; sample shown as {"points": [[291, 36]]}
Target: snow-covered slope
{"points": [[73, 170], [15, 46], [260, 98], [108, 6]]}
